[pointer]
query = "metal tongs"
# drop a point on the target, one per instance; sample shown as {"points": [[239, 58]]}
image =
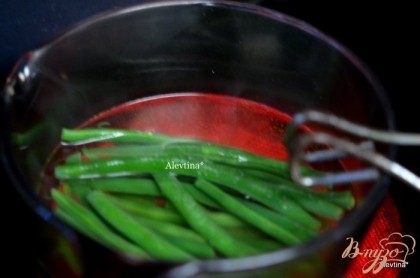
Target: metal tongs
{"points": [[337, 148]]}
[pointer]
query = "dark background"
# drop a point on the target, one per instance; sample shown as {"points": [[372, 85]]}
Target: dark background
{"points": [[383, 35]]}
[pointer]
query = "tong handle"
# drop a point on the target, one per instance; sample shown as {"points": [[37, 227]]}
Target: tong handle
{"points": [[297, 144]]}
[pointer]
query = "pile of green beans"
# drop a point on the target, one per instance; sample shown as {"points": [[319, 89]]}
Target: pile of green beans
{"points": [[159, 197]]}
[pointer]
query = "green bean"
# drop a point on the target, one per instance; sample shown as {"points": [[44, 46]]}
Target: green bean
{"points": [[344, 199], [320, 207], [169, 229], [182, 237], [80, 192], [250, 233], [263, 203], [257, 166], [313, 202], [222, 218], [201, 198], [263, 245], [149, 188], [255, 238], [94, 226], [115, 151], [226, 220], [206, 150], [74, 221], [263, 175], [287, 223], [140, 186], [148, 210], [91, 135], [231, 156], [321, 204], [245, 213], [309, 199], [137, 186], [197, 248], [199, 220], [111, 168], [144, 201], [31, 135], [233, 178], [155, 245], [144, 186]]}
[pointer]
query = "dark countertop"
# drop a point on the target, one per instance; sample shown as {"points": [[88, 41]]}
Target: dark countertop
{"points": [[382, 35]]}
